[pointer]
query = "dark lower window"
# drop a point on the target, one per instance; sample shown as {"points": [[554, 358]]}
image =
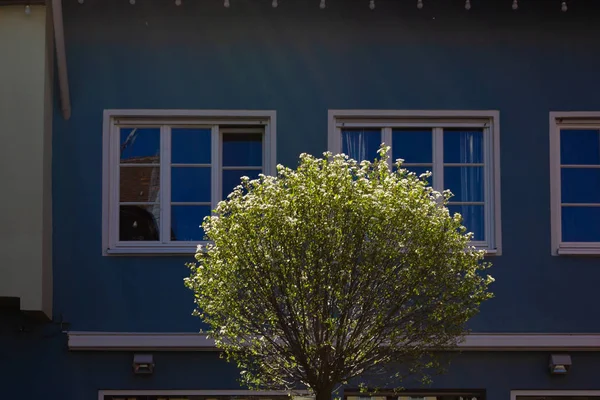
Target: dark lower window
{"points": [[418, 395], [558, 397], [192, 397]]}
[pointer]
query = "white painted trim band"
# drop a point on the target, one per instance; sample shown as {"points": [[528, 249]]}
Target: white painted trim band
{"points": [[113, 341]]}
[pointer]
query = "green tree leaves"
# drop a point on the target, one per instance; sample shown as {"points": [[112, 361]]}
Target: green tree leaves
{"points": [[335, 269]]}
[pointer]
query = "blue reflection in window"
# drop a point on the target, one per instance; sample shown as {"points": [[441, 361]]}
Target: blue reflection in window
{"points": [[580, 146], [580, 185], [466, 183], [186, 222], [140, 145], [190, 184], [242, 150], [473, 218], [190, 146], [361, 144], [463, 146], [232, 178], [412, 145], [580, 224]]}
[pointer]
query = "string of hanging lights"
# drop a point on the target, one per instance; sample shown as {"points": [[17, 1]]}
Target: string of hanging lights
{"points": [[515, 5], [322, 4]]}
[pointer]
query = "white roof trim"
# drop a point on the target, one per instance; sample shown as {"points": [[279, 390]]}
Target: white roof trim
{"points": [[119, 341]]}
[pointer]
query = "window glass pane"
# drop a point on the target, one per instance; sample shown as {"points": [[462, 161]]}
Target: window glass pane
{"points": [[473, 218], [139, 222], [190, 146], [232, 178], [466, 183], [412, 145], [580, 185], [139, 184], [140, 145], [580, 146], [186, 222], [242, 149], [361, 144], [580, 224], [190, 184], [463, 146]]}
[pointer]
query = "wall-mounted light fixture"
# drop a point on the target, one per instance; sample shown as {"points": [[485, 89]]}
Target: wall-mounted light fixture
{"points": [[143, 364], [560, 364]]}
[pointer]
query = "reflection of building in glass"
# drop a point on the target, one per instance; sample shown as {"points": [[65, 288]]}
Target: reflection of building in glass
{"points": [[139, 184], [137, 223]]}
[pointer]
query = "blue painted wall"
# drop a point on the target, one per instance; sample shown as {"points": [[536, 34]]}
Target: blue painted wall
{"points": [[301, 61]]}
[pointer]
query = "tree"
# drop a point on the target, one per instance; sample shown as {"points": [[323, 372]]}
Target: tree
{"points": [[334, 270]]}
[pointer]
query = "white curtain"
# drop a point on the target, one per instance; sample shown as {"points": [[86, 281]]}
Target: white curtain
{"points": [[361, 144]]}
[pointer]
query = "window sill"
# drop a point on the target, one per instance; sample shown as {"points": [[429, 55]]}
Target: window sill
{"points": [[491, 252], [578, 251], [151, 251]]}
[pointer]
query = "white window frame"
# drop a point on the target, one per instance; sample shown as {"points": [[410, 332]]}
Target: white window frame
{"points": [[565, 120], [264, 120], [553, 393], [437, 120]]}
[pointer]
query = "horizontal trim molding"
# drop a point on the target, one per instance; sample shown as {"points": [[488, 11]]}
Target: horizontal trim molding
{"points": [[125, 341]]}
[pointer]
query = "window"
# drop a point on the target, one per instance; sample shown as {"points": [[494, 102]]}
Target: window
{"points": [[555, 395], [194, 397], [418, 395], [164, 171], [460, 149], [575, 182]]}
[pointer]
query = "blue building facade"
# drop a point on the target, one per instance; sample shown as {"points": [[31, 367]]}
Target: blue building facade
{"points": [[505, 97]]}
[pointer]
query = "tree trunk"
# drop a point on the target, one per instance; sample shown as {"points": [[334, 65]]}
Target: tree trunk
{"points": [[323, 393]]}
